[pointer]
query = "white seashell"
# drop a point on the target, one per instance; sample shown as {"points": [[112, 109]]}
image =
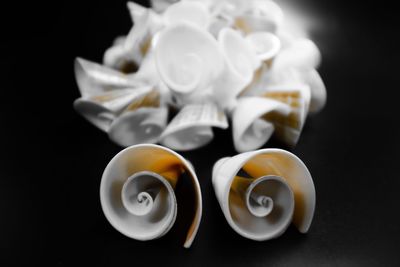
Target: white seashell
{"points": [[143, 125], [249, 130], [94, 79], [240, 64], [302, 54], [187, 11], [191, 127], [278, 190], [288, 128], [137, 192], [102, 109], [265, 44], [295, 76], [188, 58]]}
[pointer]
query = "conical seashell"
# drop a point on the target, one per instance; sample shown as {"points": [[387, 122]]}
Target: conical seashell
{"points": [[137, 192], [187, 11], [250, 131], [265, 44], [259, 16], [240, 64], [302, 54], [287, 76], [188, 58], [288, 127], [94, 79], [191, 127], [143, 125], [261, 192], [142, 121], [102, 109]]}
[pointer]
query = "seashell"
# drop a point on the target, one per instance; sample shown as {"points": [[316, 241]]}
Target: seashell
{"points": [[94, 79], [259, 16], [188, 58], [102, 109], [137, 192], [249, 129], [265, 44], [144, 125], [288, 128], [309, 77], [261, 192], [191, 127], [302, 54], [142, 121], [240, 64], [193, 12]]}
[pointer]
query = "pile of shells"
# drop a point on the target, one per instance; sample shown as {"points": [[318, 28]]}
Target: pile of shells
{"points": [[188, 66]]}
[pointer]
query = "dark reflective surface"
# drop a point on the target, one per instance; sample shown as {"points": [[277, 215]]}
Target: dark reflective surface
{"points": [[52, 159]]}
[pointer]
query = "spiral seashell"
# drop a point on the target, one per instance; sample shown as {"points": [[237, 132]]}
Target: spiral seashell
{"points": [[188, 58], [142, 121], [249, 129], [102, 109], [137, 192], [143, 125], [191, 128], [261, 192], [94, 79], [309, 77], [105, 92]]}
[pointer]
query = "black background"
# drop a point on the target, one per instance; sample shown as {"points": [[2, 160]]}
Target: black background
{"points": [[52, 159]]}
